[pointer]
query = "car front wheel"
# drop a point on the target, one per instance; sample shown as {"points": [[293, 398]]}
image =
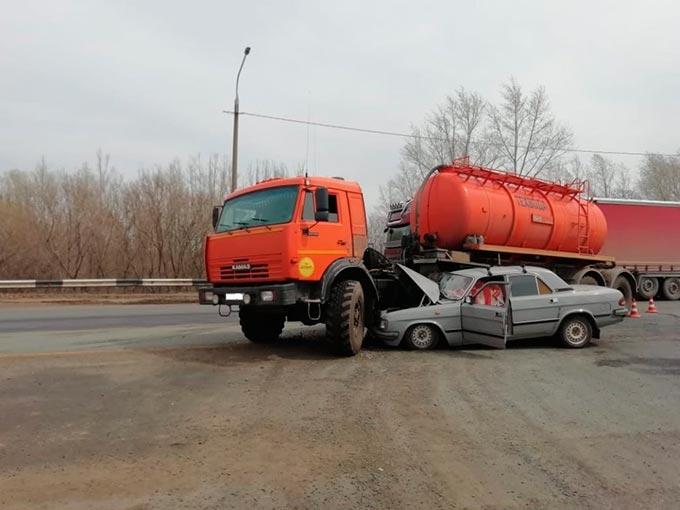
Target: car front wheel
{"points": [[575, 332], [422, 337]]}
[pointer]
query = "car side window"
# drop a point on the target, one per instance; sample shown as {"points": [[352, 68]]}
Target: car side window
{"points": [[523, 285], [333, 208], [543, 287], [308, 207], [492, 294]]}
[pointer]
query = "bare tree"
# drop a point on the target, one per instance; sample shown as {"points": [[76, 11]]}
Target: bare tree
{"points": [[263, 169], [660, 177], [453, 130], [525, 131]]}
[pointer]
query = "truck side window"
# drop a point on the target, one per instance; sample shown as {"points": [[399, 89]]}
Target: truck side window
{"points": [[333, 208], [308, 207], [523, 285]]}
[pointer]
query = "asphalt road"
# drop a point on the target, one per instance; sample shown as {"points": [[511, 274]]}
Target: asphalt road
{"points": [[168, 406]]}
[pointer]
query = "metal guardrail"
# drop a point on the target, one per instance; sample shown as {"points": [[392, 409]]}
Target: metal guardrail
{"points": [[102, 282]]}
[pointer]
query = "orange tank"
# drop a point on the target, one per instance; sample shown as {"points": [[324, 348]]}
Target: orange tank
{"points": [[461, 200]]}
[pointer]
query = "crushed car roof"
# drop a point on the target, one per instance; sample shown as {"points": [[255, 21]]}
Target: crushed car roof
{"points": [[550, 278]]}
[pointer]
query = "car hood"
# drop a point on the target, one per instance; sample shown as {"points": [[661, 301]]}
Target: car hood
{"points": [[427, 286]]}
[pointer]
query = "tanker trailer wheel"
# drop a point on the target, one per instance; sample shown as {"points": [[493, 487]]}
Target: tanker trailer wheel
{"points": [[575, 332], [261, 327], [622, 284], [588, 280], [648, 287], [421, 337], [345, 317], [671, 288]]}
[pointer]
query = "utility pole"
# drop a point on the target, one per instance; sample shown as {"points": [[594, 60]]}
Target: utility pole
{"points": [[234, 145]]}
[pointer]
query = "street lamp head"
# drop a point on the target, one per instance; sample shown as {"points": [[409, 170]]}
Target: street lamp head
{"points": [[247, 50]]}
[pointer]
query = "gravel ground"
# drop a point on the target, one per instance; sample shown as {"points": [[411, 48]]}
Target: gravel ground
{"points": [[223, 423]]}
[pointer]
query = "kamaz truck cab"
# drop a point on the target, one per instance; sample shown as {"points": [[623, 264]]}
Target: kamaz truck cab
{"points": [[291, 249]]}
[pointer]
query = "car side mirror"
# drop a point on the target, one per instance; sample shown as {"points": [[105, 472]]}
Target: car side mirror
{"points": [[216, 213], [321, 199]]}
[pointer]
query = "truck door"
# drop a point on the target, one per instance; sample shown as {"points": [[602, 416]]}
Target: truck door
{"points": [[484, 315], [323, 242]]}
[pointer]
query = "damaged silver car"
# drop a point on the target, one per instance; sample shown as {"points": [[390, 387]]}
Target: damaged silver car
{"points": [[492, 306]]}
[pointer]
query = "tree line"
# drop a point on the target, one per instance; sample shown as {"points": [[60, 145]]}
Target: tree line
{"points": [[92, 223]]}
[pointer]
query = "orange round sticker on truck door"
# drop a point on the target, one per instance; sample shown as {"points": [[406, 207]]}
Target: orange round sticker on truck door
{"points": [[306, 267]]}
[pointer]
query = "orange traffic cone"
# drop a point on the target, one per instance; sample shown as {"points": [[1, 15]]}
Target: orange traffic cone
{"points": [[634, 312], [651, 307]]}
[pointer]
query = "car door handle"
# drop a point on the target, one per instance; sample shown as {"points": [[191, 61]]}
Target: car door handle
{"points": [[341, 242], [554, 300], [499, 314]]}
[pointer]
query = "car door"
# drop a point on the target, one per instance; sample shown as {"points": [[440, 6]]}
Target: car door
{"points": [[483, 321], [535, 307]]}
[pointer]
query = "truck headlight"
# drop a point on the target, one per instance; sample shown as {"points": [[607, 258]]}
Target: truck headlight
{"points": [[267, 296], [246, 299], [215, 298]]}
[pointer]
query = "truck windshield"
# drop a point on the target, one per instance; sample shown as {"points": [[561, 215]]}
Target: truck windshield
{"points": [[453, 286], [265, 207]]}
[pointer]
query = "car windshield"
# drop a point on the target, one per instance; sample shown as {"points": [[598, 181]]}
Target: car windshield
{"points": [[265, 207], [453, 286]]}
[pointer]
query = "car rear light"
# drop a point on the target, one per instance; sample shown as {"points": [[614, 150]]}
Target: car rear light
{"points": [[622, 302]]}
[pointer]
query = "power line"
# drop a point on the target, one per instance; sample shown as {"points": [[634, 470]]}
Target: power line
{"points": [[424, 137]]}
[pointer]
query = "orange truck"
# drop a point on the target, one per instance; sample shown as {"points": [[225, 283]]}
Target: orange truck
{"points": [[293, 249], [296, 248]]}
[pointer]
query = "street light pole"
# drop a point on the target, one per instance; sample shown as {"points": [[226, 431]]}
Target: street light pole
{"points": [[234, 145]]}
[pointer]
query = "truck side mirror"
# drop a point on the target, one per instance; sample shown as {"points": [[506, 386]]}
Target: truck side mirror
{"points": [[321, 198], [217, 212]]}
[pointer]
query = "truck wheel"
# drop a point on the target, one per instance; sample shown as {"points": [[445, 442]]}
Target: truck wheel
{"points": [[623, 285], [345, 317], [575, 332], [671, 289], [261, 327], [421, 337], [648, 287], [588, 280]]}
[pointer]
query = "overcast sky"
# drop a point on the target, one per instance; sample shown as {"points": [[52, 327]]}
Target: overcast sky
{"points": [[147, 80]]}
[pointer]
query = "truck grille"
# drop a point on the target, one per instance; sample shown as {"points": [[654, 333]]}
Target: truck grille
{"points": [[244, 271]]}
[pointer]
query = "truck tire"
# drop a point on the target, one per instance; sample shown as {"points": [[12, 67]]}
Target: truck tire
{"points": [[671, 288], [575, 332], [260, 327], [588, 280], [345, 317], [648, 287], [622, 284], [421, 337]]}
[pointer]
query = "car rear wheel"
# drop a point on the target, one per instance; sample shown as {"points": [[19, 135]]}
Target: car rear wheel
{"points": [[671, 289], [422, 337], [575, 332]]}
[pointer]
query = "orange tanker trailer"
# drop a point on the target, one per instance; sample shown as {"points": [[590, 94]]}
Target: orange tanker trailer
{"points": [[468, 214]]}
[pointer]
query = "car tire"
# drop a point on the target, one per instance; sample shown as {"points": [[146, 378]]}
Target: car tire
{"points": [[671, 289], [261, 328], [345, 326], [421, 337], [575, 332]]}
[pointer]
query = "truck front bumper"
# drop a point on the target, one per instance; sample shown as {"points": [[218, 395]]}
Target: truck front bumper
{"points": [[282, 294]]}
